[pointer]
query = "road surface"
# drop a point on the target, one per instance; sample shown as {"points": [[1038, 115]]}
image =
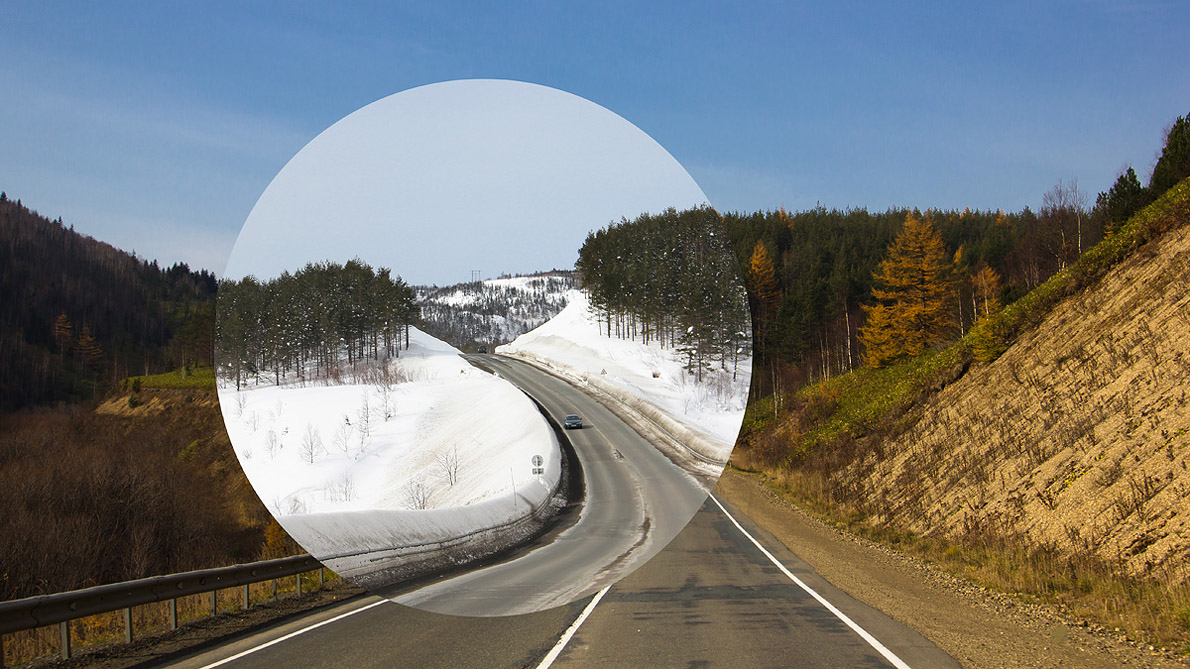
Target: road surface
{"points": [[722, 593], [637, 500], [712, 598]]}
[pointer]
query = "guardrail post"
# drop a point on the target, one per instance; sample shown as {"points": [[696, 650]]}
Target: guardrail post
{"points": [[245, 606], [64, 629], [299, 584], [321, 578], [64, 607]]}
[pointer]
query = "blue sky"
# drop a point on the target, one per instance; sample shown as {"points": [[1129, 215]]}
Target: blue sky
{"points": [[490, 175], [156, 126]]}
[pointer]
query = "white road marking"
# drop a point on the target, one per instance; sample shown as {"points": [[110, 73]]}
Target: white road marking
{"points": [[293, 634], [557, 649], [888, 654]]}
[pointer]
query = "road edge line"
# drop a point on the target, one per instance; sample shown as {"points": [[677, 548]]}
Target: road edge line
{"points": [[558, 647], [872, 641], [291, 635]]}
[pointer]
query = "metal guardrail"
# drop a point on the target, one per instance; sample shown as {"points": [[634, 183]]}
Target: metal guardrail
{"points": [[63, 607]]}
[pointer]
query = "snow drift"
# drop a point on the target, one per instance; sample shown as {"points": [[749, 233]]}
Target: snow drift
{"points": [[429, 450], [704, 416]]}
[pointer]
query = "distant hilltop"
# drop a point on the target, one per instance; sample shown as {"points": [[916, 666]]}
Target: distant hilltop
{"points": [[484, 314]]}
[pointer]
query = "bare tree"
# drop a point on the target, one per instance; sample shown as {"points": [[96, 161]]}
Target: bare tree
{"points": [[1063, 210], [448, 463], [384, 392], [364, 419], [311, 444], [416, 494], [342, 437], [342, 490], [272, 444]]}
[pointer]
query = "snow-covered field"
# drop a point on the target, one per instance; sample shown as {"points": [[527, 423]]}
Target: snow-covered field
{"points": [[646, 376], [442, 442]]}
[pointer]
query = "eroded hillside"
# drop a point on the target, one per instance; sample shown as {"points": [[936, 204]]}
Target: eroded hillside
{"points": [[1077, 437]]}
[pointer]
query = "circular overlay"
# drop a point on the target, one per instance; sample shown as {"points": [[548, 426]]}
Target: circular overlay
{"points": [[483, 347]]}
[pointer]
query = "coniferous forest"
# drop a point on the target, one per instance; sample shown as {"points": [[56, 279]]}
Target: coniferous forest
{"points": [[316, 323], [811, 275], [77, 314], [670, 278]]}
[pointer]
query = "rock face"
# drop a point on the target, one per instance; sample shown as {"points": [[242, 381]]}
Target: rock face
{"points": [[1077, 437]]}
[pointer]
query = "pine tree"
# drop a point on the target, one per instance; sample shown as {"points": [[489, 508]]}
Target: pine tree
{"points": [[912, 290], [1174, 163], [1122, 200]]}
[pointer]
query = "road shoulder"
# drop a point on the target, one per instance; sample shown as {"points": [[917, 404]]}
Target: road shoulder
{"points": [[978, 627]]}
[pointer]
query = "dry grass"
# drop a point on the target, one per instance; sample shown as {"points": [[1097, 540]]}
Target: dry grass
{"points": [[108, 628], [1096, 592], [1060, 470]]}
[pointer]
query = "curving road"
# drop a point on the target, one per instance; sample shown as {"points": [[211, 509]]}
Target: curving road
{"points": [[637, 500], [712, 598], [723, 593]]}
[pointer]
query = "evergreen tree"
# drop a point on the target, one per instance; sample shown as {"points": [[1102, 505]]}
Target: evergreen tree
{"points": [[670, 278], [912, 289], [313, 320], [1122, 200], [1174, 163]]}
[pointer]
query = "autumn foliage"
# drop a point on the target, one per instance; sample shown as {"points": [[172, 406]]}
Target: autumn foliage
{"points": [[912, 289], [762, 282]]}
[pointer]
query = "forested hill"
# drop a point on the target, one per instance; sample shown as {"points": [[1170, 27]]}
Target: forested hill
{"points": [[492, 312], [810, 273], [77, 313]]}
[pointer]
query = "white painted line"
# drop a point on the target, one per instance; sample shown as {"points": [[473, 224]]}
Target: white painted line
{"points": [[293, 634], [888, 654], [557, 649]]}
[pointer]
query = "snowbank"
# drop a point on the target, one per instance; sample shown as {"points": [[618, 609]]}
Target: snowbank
{"points": [[704, 416], [435, 452]]}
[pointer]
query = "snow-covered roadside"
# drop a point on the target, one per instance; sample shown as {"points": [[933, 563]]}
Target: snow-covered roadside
{"points": [[434, 453], [705, 416]]}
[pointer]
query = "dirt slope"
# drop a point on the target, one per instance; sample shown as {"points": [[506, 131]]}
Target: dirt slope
{"points": [[1078, 436]]}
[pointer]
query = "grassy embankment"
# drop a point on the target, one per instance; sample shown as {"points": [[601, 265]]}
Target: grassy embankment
{"points": [[198, 376], [827, 428]]}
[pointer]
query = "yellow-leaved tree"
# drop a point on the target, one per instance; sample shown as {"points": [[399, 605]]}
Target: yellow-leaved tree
{"points": [[913, 292], [762, 278], [986, 283]]}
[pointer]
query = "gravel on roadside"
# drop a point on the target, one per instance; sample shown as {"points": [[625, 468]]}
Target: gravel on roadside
{"points": [[977, 626]]}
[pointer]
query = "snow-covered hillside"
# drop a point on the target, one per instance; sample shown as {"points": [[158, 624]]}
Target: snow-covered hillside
{"points": [[494, 311], [646, 375], [428, 432]]}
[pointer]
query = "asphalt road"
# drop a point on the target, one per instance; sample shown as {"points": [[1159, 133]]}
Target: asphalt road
{"points": [[637, 500], [723, 593], [712, 598]]}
